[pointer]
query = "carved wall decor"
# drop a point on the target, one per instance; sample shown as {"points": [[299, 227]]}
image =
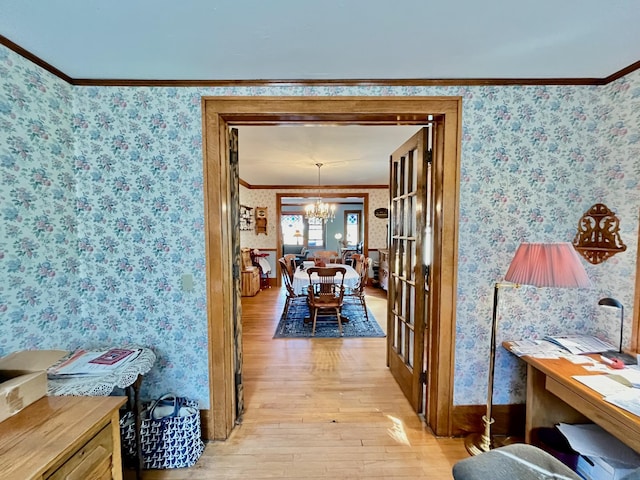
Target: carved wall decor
{"points": [[261, 220], [598, 236]]}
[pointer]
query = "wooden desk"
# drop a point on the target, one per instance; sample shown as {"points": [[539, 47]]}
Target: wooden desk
{"points": [[553, 397], [63, 438]]}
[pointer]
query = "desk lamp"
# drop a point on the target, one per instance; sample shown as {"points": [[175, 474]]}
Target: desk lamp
{"points": [[538, 265], [619, 355]]}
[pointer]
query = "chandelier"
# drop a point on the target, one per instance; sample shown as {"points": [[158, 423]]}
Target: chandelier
{"points": [[320, 210]]}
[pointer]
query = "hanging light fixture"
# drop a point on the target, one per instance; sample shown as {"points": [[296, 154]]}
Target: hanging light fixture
{"points": [[320, 210]]}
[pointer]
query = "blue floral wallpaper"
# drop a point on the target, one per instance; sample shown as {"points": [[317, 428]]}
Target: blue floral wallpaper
{"points": [[39, 265], [102, 214]]}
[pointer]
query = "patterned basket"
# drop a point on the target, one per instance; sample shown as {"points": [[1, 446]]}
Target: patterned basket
{"points": [[172, 441]]}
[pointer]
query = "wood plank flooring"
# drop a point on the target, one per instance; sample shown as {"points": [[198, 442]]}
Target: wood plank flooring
{"points": [[319, 409]]}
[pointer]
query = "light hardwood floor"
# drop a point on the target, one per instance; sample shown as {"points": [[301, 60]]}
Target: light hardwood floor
{"points": [[319, 409]]}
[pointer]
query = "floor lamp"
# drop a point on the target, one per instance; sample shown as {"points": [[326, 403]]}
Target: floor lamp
{"points": [[539, 265]]}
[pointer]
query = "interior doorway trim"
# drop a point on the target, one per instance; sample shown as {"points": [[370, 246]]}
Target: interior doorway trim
{"points": [[220, 113]]}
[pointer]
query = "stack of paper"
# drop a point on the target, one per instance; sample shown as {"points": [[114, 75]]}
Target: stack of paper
{"points": [[629, 400], [579, 344], [608, 458], [617, 388], [535, 348], [86, 363]]}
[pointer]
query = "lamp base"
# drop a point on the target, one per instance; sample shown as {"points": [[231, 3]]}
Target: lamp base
{"points": [[623, 357], [475, 443]]}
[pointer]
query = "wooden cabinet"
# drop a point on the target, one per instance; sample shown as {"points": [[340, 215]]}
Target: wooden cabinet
{"points": [[250, 282], [250, 274], [70, 438]]}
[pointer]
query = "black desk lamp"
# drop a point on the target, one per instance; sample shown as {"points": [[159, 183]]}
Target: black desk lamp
{"points": [[620, 355]]}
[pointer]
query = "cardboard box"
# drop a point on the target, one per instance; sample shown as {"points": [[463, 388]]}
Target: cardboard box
{"points": [[23, 378]]}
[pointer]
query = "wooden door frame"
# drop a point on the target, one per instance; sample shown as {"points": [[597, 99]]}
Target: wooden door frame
{"points": [[219, 113]]}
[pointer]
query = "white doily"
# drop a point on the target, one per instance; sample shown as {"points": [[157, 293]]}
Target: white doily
{"points": [[103, 385]]}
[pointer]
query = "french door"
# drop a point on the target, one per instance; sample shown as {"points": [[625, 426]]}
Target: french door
{"points": [[409, 264]]}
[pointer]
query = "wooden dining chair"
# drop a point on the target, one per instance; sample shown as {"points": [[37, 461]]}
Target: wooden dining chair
{"points": [[326, 256], [357, 293], [288, 283], [325, 292], [357, 261], [290, 260]]}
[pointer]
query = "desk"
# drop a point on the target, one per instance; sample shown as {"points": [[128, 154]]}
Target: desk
{"points": [[62, 438], [553, 397], [301, 278], [127, 377]]}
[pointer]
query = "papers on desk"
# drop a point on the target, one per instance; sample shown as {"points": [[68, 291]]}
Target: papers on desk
{"points": [[546, 349], [631, 374], [628, 400], [616, 388], [535, 348], [86, 363], [603, 384], [578, 344]]}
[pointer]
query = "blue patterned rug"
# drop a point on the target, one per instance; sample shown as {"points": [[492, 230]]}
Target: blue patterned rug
{"points": [[294, 326]]}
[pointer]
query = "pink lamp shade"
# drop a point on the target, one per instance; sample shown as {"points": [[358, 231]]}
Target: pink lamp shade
{"points": [[547, 265]]}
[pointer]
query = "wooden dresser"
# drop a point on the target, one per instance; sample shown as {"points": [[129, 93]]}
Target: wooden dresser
{"points": [[71, 438]]}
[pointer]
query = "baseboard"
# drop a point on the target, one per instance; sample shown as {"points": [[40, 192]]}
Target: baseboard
{"points": [[204, 424], [509, 419]]}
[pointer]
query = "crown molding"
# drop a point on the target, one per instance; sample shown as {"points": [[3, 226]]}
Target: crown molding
{"points": [[355, 82], [33, 58]]}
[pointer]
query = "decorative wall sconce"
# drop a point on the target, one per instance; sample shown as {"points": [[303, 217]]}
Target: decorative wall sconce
{"points": [[598, 236]]}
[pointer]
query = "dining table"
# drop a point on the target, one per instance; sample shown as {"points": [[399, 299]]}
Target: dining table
{"points": [[301, 278]]}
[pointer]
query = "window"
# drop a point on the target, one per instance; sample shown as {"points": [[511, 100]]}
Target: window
{"points": [[352, 226], [316, 232], [292, 226]]}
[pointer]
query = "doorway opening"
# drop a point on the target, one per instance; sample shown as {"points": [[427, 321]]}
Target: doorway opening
{"points": [[221, 113], [333, 232]]}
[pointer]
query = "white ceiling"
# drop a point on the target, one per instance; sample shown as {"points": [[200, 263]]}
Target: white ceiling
{"points": [[328, 39], [350, 155]]}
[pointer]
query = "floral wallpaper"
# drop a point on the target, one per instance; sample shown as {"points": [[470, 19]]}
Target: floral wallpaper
{"points": [[102, 214], [39, 266]]}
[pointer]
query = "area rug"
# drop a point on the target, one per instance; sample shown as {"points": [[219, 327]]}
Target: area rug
{"points": [[294, 326]]}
